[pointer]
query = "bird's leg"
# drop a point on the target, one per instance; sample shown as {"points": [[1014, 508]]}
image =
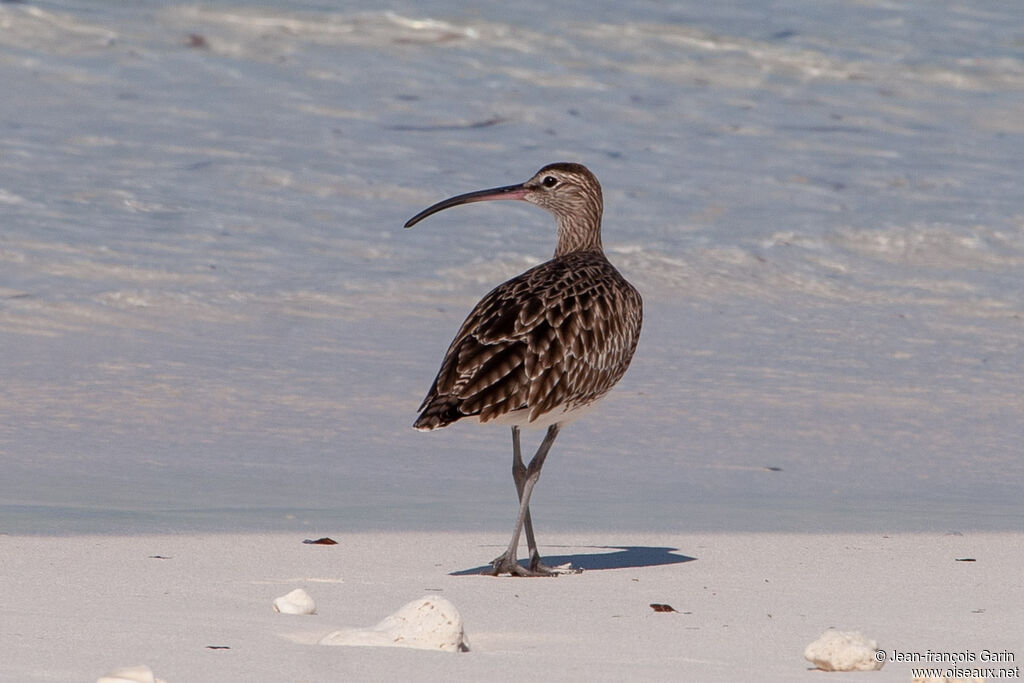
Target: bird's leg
{"points": [[506, 563], [519, 476]]}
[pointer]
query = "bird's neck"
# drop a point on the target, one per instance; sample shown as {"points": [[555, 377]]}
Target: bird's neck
{"points": [[579, 232]]}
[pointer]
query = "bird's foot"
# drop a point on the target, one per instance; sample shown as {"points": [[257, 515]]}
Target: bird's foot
{"points": [[508, 565], [544, 570], [505, 565]]}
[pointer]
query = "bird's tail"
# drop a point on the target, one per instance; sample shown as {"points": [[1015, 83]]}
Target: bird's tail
{"points": [[439, 412]]}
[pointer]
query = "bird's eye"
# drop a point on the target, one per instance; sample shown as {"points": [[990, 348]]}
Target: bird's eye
{"points": [[549, 181]]}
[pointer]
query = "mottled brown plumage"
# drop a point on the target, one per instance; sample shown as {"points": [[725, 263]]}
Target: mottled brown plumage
{"points": [[546, 345], [539, 347]]}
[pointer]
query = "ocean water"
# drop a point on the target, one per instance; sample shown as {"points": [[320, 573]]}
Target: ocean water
{"points": [[212, 319]]}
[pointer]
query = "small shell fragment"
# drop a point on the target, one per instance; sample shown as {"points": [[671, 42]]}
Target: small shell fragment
{"points": [[130, 674], [844, 651], [296, 602], [430, 623]]}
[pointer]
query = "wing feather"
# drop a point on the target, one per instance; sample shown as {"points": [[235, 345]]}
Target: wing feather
{"points": [[559, 335]]}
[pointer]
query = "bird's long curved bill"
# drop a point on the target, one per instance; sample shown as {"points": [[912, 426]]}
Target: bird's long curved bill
{"points": [[507, 192]]}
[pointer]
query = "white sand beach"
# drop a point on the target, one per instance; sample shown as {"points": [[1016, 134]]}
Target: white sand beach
{"points": [[199, 608]]}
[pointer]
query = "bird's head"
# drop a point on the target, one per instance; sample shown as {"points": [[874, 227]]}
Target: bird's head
{"points": [[566, 190]]}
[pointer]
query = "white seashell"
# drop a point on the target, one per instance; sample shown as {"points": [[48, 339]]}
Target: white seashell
{"points": [[130, 674], [430, 623], [844, 651], [296, 602]]}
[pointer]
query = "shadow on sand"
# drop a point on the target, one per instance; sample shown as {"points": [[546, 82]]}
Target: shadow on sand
{"points": [[620, 557]]}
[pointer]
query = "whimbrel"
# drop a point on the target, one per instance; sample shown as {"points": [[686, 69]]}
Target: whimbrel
{"points": [[540, 349]]}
